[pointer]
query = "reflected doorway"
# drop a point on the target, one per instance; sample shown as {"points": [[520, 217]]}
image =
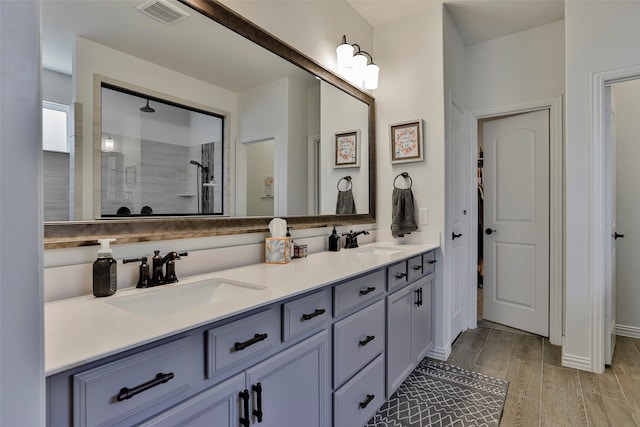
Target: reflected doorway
{"points": [[260, 178]]}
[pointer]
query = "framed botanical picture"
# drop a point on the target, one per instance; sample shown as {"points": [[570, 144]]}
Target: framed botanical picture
{"points": [[267, 186], [407, 143], [347, 149]]}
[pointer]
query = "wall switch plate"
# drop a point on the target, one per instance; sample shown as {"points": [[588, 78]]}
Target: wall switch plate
{"points": [[424, 216]]}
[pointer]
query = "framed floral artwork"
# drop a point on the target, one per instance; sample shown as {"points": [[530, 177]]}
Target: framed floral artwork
{"points": [[407, 144], [347, 149]]}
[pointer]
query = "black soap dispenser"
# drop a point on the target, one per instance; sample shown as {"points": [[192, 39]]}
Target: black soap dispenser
{"points": [[334, 241], [105, 280]]}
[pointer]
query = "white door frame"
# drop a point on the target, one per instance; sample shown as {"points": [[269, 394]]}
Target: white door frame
{"points": [[597, 191], [556, 188]]}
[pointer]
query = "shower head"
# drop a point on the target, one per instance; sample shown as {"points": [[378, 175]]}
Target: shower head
{"points": [[147, 109], [205, 169]]}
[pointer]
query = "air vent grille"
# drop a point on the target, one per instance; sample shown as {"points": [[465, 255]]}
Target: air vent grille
{"points": [[162, 11]]}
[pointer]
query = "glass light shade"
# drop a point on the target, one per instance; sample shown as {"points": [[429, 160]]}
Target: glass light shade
{"points": [[109, 145], [371, 76], [359, 67], [345, 57]]}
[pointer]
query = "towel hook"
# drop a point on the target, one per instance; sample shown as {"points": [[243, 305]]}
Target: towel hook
{"points": [[346, 178], [405, 175]]}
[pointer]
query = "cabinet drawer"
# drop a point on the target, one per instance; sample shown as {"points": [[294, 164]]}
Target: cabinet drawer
{"points": [[240, 340], [365, 389], [415, 268], [357, 292], [112, 392], [304, 315], [397, 275], [357, 340], [429, 262]]}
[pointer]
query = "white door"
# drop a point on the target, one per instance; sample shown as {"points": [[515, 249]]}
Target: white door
{"points": [[516, 221], [610, 218], [457, 180]]}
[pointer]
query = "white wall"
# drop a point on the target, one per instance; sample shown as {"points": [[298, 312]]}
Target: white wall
{"points": [[409, 52], [21, 330], [599, 36], [627, 101], [522, 67], [56, 87]]}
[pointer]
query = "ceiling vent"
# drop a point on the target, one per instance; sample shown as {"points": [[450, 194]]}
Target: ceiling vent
{"points": [[162, 11]]}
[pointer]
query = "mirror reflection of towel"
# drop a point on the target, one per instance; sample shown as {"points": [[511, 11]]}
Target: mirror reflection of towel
{"points": [[345, 205], [402, 212]]}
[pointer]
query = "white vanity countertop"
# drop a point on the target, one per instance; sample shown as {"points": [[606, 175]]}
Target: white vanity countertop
{"points": [[85, 329]]}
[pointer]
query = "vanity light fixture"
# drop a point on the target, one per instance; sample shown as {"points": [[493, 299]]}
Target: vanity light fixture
{"points": [[357, 66], [108, 144]]}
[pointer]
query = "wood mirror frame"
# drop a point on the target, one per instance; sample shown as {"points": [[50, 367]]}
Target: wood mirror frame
{"points": [[84, 233]]}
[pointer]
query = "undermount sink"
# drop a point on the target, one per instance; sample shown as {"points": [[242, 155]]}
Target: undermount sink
{"points": [[377, 250], [176, 297]]}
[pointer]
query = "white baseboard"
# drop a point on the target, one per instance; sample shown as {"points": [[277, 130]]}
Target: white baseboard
{"points": [[627, 331], [440, 353], [577, 362]]}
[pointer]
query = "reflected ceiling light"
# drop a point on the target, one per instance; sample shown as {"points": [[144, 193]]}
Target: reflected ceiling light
{"points": [[108, 144], [147, 109], [357, 66]]}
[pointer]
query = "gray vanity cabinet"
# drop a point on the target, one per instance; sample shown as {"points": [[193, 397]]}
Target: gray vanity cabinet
{"points": [[409, 335], [289, 388]]}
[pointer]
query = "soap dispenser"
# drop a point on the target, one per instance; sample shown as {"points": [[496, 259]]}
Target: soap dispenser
{"points": [[334, 241], [105, 280]]}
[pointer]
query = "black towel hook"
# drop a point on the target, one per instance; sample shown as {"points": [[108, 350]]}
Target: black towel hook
{"points": [[405, 175], [346, 178]]}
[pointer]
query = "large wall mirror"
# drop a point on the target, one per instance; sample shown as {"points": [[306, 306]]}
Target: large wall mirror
{"points": [[180, 119]]}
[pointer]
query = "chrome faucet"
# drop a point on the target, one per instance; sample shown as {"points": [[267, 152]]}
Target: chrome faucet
{"points": [[351, 238], [169, 276]]}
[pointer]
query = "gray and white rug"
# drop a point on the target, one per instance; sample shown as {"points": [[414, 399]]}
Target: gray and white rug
{"points": [[441, 395]]}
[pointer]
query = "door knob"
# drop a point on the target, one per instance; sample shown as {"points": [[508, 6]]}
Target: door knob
{"points": [[616, 235], [454, 236], [490, 231]]}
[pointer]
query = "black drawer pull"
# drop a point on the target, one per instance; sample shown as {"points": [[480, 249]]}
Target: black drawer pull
{"points": [[366, 291], [401, 276], [418, 297], [256, 339], [244, 395], [258, 412], [432, 261], [367, 341], [318, 312], [368, 400], [417, 267], [128, 393]]}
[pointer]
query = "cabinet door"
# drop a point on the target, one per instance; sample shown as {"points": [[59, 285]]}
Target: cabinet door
{"points": [[422, 319], [293, 386], [399, 336], [217, 406]]}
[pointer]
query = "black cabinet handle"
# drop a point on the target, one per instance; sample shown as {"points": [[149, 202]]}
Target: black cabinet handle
{"points": [[128, 393], [419, 297], [258, 412], [454, 236], [417, 267], [401, 275], [244, 395], [256, 339], [432, 261], [366, 291], [318, 312], [366, 341], [616, 236], [368, 400]]}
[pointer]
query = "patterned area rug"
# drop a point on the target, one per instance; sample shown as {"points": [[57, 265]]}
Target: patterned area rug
{"points": [[443, 395]]}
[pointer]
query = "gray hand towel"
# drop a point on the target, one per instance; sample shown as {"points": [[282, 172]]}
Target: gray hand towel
{"points": [[345, 204], [402, 212]]}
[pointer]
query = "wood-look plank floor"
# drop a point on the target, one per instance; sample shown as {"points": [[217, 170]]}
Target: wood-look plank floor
{"points": [[542, 393]]}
